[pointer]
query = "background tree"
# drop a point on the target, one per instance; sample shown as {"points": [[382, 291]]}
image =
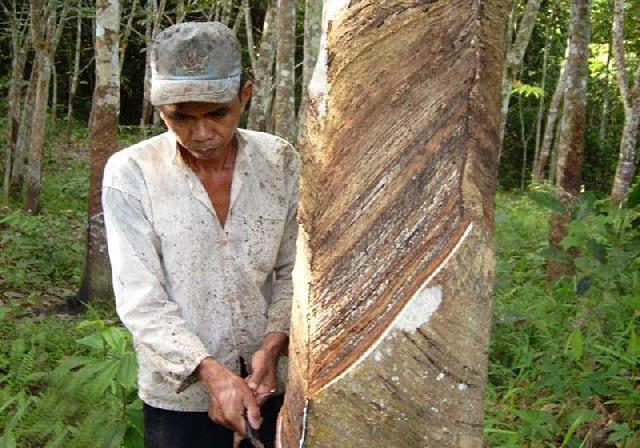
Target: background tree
{"points": [[572, 134], [284, 104], [395, 260], [96, 280], [631, 102]]}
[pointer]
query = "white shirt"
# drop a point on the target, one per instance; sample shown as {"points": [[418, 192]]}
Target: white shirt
{"points": [[185, 287]]}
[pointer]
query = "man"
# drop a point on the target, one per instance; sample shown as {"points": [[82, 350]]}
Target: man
{"points": [[201, 229]]}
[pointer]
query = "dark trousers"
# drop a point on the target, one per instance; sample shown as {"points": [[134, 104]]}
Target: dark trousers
{"points": [[173, 429]]}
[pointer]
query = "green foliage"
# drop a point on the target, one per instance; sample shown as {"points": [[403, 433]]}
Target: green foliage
{"points": [[564, 361], [66, 384], [527, 90]]}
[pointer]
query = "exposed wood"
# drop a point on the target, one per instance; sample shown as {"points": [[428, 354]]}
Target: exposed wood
{"points": [[393, 279], [572, 134], [96, 279]]}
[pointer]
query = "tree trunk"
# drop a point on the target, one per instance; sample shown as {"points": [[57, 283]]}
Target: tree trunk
{"points": [[284, 105], [543, 86], [572, 136], [124, 42], [515, 57], [604, 119], [43, 22], [19, 46], [146, 97], [24, 131], [180, 11], [393, 280], [631, 100], [312, 29], [96, 281], [552, 119], [246, 9], [261, 98], [73, 84]]}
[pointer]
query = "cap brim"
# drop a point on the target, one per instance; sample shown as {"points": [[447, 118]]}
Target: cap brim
{"points": [[165, 91]]}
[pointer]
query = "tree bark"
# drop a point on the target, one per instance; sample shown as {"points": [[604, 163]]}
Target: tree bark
{"points": [[515, 57], [73, 84], [631, 100], [393, 280], [43, 22], [312, 29], [572, 136], [154, 17], [284, 105], [261, 98], [96, 280], [552, 119]]}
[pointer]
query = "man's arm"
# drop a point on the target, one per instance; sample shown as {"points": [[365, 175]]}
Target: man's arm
{"points": [[139, 285]]}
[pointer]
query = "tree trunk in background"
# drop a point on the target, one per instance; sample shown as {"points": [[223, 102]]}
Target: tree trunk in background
{"points": [[19, 46], [24, 131], [54, 73], [604, 119], [246, 9], [124, 42], [43, 22], [96, 280], [146, 98], [554, 148], [312, 31], [261, 98], [73, 84], [515, 57], [394, 275], [180, 11], [284, 104], [543, 86], [552, 119], [631, 101], [572, 135]]}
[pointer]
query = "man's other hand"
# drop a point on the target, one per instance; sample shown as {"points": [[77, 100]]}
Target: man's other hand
{"points": [[263, 380], [229, 396]]}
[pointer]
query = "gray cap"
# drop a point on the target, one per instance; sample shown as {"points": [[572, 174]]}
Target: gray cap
{"points": [[195, 61]]}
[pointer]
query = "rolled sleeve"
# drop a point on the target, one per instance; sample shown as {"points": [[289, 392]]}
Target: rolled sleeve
{"points": [[279, 313], [139, 285]]}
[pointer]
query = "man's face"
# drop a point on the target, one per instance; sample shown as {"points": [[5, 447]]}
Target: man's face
{"points": [[206, 129]]}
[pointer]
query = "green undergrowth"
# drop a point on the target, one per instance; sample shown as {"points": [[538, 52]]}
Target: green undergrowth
{"points": [[563, 366], [564, 358]]}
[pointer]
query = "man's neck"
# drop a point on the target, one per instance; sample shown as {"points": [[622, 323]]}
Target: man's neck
{"points": [[222, 161]]}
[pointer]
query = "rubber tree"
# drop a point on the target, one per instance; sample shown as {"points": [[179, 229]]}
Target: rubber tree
{"points": [[395, 267], [103, 141], [572, 134]]}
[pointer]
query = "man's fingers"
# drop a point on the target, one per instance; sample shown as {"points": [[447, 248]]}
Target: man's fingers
{"points": [[253, 411]]}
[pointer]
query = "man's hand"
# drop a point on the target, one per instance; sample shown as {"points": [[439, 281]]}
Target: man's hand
{"points": [[229, 396], [263, 380]]}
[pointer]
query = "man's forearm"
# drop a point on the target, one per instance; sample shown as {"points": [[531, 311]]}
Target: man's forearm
{"points": [[275, 344]]}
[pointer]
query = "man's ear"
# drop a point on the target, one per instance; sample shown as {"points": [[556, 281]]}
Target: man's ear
{"points": [[245, 94]]}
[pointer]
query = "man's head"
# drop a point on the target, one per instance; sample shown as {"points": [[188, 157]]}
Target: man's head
{"points": [[196, 84]]}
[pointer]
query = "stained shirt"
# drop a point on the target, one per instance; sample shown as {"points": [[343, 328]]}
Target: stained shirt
{"points": [[186, 287]]}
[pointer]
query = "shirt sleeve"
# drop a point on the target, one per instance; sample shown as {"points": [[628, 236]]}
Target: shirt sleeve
{"points": [[279, 313], [139, 283]]}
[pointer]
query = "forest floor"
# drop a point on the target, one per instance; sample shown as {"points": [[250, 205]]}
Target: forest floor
{"points": [[564, 360]]}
